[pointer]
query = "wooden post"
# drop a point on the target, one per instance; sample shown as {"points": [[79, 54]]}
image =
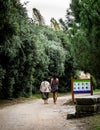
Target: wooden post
{"points": [[72, 90], [91, 85]]}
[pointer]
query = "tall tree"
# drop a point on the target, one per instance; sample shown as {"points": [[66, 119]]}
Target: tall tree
{"points": [[37, 17], [55, 24], [86, 16]]}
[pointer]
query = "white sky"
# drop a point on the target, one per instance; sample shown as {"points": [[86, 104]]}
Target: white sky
{"points": [[48, 8]]}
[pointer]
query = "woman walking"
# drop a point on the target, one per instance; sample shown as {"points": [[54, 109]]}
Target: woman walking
{"points": [[45, 89], [54, 87]]}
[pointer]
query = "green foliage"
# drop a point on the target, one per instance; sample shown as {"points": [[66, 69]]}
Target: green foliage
{"points": [[16, 52], [92, 122], [8, 24], [30, 52], [85, 37], [50, 55], [2, 74], [57, 58], [37, 17]]}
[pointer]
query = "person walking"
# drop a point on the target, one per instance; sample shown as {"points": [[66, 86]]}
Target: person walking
{"points": [[54, 87], [45, 89]]}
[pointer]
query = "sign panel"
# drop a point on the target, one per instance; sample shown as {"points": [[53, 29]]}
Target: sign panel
{"points": [[82, 86]]}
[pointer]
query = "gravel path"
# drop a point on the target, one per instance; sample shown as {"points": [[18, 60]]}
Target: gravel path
{"points": [[34, 115]]}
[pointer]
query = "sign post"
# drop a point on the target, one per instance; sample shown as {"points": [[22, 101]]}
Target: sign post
{"points": [[81, 86]]}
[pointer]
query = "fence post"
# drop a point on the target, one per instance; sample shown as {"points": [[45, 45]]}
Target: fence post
{"points": [[72, 90]]}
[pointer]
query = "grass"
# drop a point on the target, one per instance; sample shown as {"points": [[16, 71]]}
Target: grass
{"points": [[4, 103], [96, 90], [91, 123]]}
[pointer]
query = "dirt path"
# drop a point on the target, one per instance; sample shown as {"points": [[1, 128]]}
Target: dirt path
{"points": [[34, 115]]}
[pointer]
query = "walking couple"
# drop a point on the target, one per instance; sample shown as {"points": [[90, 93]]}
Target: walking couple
{"points": [[47, 87]]}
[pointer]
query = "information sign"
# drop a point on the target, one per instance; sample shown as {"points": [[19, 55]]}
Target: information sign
{"points": [[82, 86]]}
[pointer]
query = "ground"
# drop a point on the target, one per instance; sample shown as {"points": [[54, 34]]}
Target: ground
{"points": [[34, 115]]}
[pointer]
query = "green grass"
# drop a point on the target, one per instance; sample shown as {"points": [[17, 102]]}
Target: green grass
{"points": [[4, 103], [36, 96], [96, 90], [33, 97], [91, 123]]}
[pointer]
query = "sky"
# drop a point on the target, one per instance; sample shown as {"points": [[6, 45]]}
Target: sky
{"points": [[48, 8]]}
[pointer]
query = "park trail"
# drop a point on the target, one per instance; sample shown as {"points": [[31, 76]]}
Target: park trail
{"points": [[34, 115]]}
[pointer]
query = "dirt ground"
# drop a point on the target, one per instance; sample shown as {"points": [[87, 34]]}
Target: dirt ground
{"points": [[34, 115]]}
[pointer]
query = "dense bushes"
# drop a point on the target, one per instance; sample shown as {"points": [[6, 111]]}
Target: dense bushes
{"points": [[30, 51]]}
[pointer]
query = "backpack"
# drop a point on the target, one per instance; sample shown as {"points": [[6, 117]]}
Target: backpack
{"points": [[54, 85]]}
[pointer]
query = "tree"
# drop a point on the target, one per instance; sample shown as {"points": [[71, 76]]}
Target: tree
{"points": [[17, 51], [37, 17], [30, 51], [86, 14], [54, 24]]}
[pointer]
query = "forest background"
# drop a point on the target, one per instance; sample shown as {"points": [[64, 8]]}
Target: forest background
{"points": [[30, 50]]}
